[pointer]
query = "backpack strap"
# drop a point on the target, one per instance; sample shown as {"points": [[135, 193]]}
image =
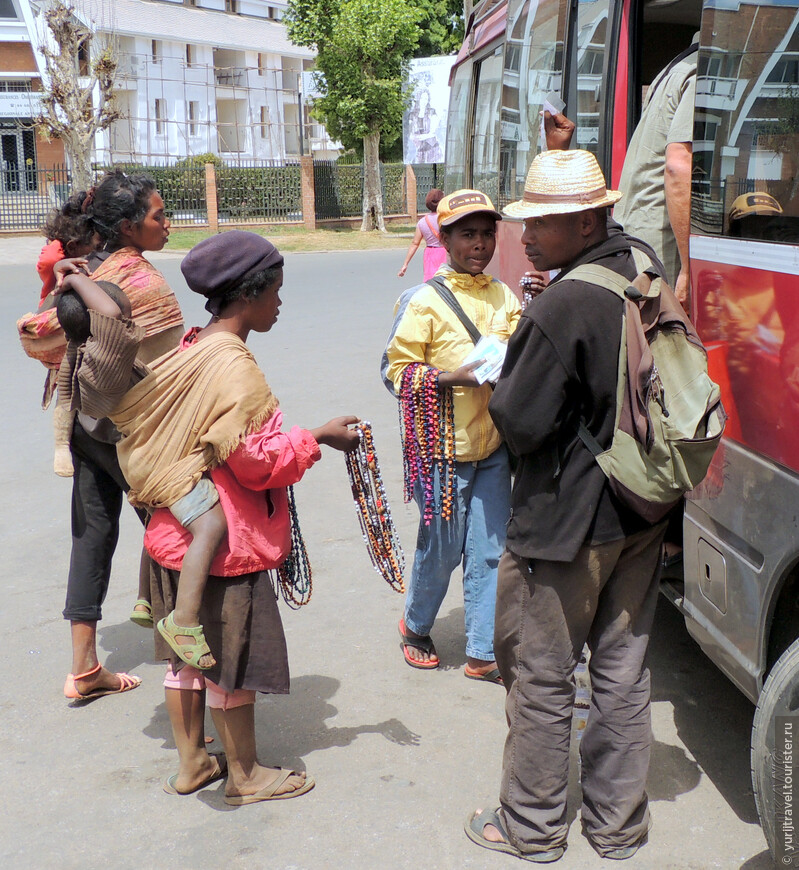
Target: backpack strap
{"points": [[447, 295], [621, 286]]}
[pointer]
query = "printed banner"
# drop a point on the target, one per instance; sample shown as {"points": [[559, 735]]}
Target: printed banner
{"points": [[424, 124]]}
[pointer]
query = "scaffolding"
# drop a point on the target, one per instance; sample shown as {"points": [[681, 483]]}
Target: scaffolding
{"points": [[172, 109]]}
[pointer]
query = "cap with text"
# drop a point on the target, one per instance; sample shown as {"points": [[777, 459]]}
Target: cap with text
{"points": [[463, 203]]}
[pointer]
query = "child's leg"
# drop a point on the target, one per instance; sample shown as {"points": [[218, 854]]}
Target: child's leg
{"points": [[208, 532], [63, 421], [182, 629]]}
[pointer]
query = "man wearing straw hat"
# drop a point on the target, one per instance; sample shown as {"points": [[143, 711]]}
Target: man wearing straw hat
{"points": [[578, 565]]}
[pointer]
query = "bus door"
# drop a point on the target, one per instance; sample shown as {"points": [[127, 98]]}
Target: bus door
{"points": [[740, 526]]}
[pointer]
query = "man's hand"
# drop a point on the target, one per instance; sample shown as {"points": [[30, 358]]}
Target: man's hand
{"points": [[682, 289], [337, 434], [559, 131], [69, 266], [461, 377], [532, 283]]}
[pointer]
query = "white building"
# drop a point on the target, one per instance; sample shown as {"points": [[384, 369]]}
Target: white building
{"points": [[200, 76]]}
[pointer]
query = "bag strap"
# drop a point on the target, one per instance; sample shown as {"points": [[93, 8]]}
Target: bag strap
{"points": [[446, 294], [692, 49], [432, 227]]}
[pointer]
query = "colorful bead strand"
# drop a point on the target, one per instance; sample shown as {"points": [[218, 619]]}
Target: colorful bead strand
{"points": [[374, 515], [427, 434]]}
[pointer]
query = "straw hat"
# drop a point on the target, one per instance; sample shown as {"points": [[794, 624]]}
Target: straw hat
{"points": [[562, 182]]}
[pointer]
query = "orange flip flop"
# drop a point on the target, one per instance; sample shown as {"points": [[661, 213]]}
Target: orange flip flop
{"points": [[425, 644]]}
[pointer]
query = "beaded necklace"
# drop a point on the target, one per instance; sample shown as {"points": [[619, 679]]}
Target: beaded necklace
{"points": [[294, 577], [427, 434], [374, 515]]}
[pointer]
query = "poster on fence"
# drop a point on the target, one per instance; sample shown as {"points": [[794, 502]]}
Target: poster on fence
{"points": [[424, 124]]}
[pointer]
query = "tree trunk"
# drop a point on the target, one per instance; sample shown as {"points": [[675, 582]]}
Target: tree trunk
{"points": [[79, 152], [372, 190]]}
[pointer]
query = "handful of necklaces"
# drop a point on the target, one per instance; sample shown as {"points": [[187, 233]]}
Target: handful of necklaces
{"points": [[379, 531]]}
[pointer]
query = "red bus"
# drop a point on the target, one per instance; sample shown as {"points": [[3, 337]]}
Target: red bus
{"points": [[739, 585]]}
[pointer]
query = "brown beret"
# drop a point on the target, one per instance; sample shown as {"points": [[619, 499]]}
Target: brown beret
{"points": [[216, 265]]}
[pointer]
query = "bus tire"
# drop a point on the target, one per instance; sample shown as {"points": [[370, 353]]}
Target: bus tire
{"points": [[780, 697]]}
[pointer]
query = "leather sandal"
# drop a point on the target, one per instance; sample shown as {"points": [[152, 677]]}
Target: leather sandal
{"points": [[127, 682]]}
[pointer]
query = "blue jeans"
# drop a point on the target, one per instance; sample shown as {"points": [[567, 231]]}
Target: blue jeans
{"points": [[475, 534]]}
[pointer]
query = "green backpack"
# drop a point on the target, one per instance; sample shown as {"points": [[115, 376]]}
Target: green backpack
{"points": [[669, 416]]}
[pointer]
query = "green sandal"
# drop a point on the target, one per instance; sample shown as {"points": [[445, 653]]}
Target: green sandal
{"points": [[143, 618], [191, 653]]}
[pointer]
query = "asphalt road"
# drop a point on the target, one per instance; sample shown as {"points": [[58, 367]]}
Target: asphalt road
{"points": [[400, 756]]}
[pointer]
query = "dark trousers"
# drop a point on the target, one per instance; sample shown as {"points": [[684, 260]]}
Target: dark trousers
{"points": [[97, 490], [546, 612]]}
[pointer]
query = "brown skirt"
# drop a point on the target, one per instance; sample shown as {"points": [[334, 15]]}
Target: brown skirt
{"points": [[242, 626]]}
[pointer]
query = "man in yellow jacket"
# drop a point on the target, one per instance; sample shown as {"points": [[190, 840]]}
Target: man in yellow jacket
{"points": [[429, 337]]}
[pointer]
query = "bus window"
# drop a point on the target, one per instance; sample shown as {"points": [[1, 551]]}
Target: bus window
{"points": [[485, 138], [457, 125], [746, 126], [533, 69], [592, 29]]}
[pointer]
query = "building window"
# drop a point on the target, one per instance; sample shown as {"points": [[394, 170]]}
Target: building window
{"points": [[193, 113], [271, 13], [232, 6], [261, 63], [84, 63], [7, 9], [189, 2], [160, 116], [157, 50], [15, 85], [191, 55], [264, 122]]}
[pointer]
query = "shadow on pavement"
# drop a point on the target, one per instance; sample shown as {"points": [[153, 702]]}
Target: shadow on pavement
{"points": [[713, 718], [126, 646], [288, 727], [762, 861]]}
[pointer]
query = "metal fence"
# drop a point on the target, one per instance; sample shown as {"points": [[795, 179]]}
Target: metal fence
{"points": [[339, 188], [428, 176], [265, 192], [28, 195], [259, 193]]}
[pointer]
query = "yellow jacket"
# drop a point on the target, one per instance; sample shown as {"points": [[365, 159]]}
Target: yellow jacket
{"points": [[428, 331]]}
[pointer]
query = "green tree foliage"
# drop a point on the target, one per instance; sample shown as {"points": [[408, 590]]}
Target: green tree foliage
{"points": [[362, 51], [442, 26]]}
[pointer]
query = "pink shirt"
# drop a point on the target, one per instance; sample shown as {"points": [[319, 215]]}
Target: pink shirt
{"points": [[252, 491], [428, 227]]}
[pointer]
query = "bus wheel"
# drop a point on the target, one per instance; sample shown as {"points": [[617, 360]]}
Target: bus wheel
{"points": [[775, 753]]}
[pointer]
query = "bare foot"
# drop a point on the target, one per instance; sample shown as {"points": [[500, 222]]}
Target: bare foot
{"points": [[263, 777]]}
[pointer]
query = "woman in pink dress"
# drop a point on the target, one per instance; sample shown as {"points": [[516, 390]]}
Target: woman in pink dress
{"points": [[435, 254]]}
